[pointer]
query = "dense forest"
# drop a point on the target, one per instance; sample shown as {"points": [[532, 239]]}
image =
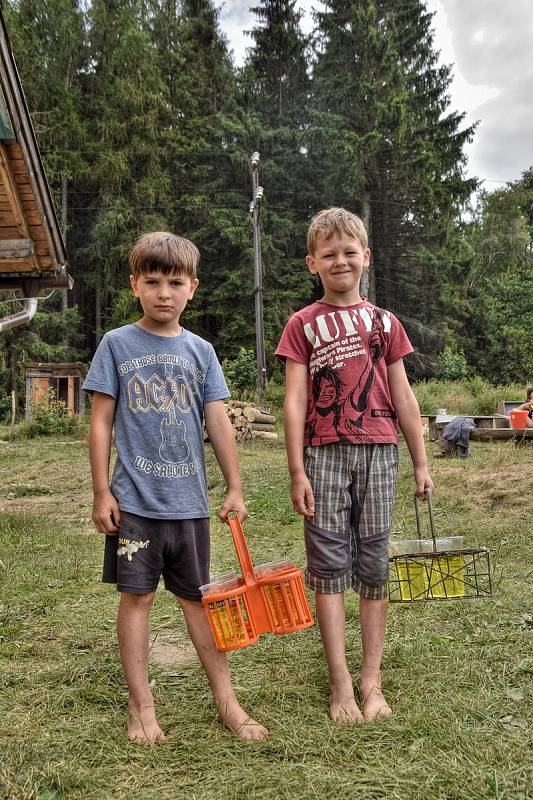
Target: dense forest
{"points": [[144, 122]]}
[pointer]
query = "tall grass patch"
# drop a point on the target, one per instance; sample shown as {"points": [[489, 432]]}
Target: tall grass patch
{"points": [[465, 397]]}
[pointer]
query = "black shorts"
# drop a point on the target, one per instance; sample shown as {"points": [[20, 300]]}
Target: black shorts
{"points": [[146, 549]]}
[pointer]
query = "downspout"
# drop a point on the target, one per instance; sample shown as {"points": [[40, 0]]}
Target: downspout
{"points": [[21, 317]]}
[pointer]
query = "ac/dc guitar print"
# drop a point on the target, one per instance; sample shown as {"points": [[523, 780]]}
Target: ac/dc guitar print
{"points": [[173, 447]]}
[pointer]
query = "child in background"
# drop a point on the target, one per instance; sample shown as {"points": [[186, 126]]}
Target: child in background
{"points": [[528, 406], [346, 390]]}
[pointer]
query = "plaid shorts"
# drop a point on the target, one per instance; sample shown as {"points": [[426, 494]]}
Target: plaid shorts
{"points": [[347, 539]]}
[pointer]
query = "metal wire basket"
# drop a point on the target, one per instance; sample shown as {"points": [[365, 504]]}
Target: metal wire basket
{"points": [[436, 569]]}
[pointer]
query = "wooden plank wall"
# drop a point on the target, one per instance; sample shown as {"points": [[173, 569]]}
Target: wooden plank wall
{"points": [[19, 213]]}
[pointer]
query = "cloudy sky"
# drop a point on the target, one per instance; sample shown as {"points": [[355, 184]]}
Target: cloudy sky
{"points": [[489, 45]]}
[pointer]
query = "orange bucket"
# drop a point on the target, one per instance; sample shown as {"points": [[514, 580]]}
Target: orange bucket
{"points": [[270, 598], [518, 418]]}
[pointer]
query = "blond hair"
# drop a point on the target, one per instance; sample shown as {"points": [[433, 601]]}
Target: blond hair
{"points": [[164, 252], [335, 221]]}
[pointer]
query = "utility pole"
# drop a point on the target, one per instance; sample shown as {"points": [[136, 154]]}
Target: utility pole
{"points": [[255, 207]]}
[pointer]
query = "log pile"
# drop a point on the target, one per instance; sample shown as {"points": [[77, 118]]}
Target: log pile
{"points": [[250, 422]]}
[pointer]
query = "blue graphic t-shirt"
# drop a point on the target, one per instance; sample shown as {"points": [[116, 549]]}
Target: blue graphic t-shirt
{"points": [[161, 384]]}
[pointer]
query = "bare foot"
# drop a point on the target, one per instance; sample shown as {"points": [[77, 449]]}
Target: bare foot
{"points": [[342, 705], [142, 725], [374, 704], [237, 720]]}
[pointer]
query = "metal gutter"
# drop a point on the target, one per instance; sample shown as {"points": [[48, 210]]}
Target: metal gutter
{"points": [[20, 317]]}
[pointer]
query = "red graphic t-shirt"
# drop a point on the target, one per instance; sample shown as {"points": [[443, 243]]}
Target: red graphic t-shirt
{"points": [[347, 350]]}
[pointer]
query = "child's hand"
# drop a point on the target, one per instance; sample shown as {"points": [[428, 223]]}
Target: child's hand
{"points": [[106, 513], [423, 482], [302, 497], [234, 502]]}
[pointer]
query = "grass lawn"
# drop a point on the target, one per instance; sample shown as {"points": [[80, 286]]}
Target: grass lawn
{"points": [[458, 674]]}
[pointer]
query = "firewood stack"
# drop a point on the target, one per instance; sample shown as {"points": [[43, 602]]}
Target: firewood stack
{"points": [[250, 422]]}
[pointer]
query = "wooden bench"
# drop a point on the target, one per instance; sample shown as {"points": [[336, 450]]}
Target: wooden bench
{"points": [[517, 436], [437, 422]]}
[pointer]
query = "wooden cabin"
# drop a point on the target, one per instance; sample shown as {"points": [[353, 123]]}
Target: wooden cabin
{"points": [[32, 251], [63, 380]]}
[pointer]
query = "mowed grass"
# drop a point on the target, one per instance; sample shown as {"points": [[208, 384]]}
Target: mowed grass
{"points": [[458, 674]]}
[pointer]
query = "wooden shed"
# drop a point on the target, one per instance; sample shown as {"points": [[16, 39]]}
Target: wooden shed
{"points": [[32, 251], [64, 380]]}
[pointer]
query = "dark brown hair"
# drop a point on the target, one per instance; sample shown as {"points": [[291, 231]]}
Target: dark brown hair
{"points": [[164, 252]]}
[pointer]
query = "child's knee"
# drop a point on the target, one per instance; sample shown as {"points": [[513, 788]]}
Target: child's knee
{"points": [[137, 601], [185, 602], [372, 559]]}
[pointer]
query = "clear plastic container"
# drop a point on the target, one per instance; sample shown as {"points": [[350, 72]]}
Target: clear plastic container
{"points": [[443, 544], [399, 548], [437, 576], [224, 582], [415, 546], [272, 567], [434, 576]]}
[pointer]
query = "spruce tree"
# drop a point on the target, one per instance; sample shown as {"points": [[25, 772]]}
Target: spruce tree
{"points": [[207, 160], [383, 145], [48, 41], [492, 290], [127, 111], [275, 86]]}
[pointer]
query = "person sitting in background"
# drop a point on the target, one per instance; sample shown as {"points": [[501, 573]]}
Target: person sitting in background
{"points": [[455, 437], [528, 406]]}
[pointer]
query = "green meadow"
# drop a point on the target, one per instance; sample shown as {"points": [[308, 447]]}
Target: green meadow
{"points": [[458, 674]]}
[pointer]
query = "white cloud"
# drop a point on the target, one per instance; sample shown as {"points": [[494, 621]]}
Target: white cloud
{"points": [[488, 45], [236, 18]]}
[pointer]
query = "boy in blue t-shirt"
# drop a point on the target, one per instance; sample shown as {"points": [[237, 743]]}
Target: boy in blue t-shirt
{"points": [[155, 382]]}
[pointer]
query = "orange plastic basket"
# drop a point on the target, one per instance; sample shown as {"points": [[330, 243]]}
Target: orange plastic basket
{"points": [[285, 599], [269, 599], [229, 615]]}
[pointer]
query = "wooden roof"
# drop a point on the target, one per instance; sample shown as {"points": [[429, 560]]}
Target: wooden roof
{"points": [[31, 244], [46, 367]]}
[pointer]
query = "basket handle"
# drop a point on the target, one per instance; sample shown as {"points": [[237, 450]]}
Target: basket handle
{"points": [[429, 498], [243, 553]]}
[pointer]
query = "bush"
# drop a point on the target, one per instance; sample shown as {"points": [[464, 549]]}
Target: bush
{"points": [[452, 365], [52, 418], [5, 408], [241, 372], [274, 393]]}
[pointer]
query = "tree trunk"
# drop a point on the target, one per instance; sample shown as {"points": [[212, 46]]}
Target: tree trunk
{"points": [[368, 279], [64, 213], [98, 310]]}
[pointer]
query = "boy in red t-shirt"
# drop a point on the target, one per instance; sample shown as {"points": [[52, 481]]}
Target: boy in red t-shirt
{"points": [[346, 390]]}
